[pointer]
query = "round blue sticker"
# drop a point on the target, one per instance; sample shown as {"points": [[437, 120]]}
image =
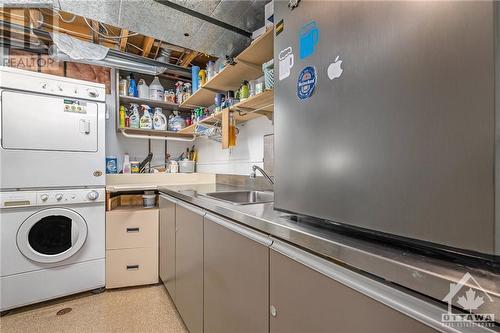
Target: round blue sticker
{"points": [[306, 82]]}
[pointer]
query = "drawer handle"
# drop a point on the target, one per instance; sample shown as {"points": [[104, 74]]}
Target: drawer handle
{"points": [[132, 267], [132, 229]]}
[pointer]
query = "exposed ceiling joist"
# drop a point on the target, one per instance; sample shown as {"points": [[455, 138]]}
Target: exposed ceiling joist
{"points": [[95, 28], [147, 45], [124, 38], [36, 18], [188, 58]]}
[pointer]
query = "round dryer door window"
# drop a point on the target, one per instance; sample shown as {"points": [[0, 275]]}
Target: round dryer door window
{"points": [[52, 235]]}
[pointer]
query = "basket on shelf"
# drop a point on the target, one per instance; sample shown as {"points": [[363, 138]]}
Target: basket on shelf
{"points": [[268, 69]]}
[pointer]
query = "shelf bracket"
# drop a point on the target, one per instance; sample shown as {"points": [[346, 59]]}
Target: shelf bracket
{"points": [[154, 137], [244, 111]]}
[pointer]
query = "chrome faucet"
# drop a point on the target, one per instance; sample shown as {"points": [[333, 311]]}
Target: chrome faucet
{"points": [[253, 174]]}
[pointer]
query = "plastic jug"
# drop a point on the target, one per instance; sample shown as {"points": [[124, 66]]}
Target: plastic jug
{"points": [[146, 121], [134, 115], [156, 90], [143, 89], [159, 120]]}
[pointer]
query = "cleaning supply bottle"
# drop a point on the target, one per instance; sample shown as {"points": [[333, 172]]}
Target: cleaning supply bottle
{"points": [[159, 120], [195, 70], [143, 89], [126, 164], [203, 77], [178, 92], [132, 87], [156, 90], [134, 116], [123, 114], [146, 120]]}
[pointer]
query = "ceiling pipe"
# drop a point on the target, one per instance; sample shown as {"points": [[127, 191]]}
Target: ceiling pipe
{"points": [[114, 58], [205, 18]]}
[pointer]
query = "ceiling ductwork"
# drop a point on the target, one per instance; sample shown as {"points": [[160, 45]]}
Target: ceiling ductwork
{"points": [[214, 27]]}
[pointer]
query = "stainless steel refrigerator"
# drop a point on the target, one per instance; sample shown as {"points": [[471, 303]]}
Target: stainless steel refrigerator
{"points": [[386, 118]]}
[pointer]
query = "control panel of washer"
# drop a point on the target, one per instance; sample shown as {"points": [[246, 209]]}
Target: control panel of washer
{"points": [[53, 85], [50, 197]]}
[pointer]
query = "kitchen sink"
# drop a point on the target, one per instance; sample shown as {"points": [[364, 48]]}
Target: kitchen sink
{"points": [[242, 197]]}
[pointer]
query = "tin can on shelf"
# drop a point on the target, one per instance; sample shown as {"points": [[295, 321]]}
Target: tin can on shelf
{"points": [[134, 166]]}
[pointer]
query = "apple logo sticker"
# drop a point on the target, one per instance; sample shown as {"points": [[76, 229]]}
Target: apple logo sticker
{"points": [[334, 69]]}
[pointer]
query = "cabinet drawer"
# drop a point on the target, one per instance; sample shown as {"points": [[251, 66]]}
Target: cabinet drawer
{"points": [[131, 228], [131, 267]]}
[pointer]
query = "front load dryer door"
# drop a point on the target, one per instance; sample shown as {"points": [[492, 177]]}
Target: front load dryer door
{"points": [[52, 235], [48, 123]]}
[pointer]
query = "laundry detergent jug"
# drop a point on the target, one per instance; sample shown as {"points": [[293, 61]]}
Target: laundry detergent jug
{"points": [[159, 120], [156, 90], [134, 115], [146, 121]]}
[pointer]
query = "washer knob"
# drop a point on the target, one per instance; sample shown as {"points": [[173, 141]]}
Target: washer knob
{"points": [[93, 195], [44, 197], [93, 93], [59, 196]]}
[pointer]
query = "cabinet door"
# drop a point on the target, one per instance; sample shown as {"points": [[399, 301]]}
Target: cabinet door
{"points": [[189, 266], [167, 244], [236, 275], [304, 300]]}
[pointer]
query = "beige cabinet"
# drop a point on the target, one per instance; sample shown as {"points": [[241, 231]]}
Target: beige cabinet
{"points": [[131, 246], [304, 300], [189, 266], [131, 267], [167, 243], [236, 278]]}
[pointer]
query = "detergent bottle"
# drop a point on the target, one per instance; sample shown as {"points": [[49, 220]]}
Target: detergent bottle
{"points": [[146, 121], [159, 120], [156, 90], [134, 115]]}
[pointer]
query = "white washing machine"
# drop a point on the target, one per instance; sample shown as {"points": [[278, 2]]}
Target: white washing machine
{"points": [[52, 244]]}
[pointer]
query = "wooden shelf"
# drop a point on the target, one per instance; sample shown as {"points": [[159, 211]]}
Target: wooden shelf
{"points": [[260, 51], [231, 76], [252, 107], [262, 102], [248, 67], [127, 131], [152, 103], [201, 97]]}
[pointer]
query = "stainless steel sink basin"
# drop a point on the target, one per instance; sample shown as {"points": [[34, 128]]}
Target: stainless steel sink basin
{"points": [[242, 197]]}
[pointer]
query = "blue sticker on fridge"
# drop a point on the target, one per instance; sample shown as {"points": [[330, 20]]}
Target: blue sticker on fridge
{"points": [[308, 39], [306, 82]]}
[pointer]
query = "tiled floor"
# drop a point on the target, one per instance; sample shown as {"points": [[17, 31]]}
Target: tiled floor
{"points": [[139, 309]]}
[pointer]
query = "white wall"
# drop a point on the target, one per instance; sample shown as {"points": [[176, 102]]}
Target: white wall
{"points": [[249, 150], [118, 145]]}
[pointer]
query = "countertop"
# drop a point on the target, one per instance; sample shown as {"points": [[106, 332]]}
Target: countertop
{"points": [[424, 274], [151, 181]]}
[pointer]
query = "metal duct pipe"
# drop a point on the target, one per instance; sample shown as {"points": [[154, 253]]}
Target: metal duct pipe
{"points": [[114, 58]]}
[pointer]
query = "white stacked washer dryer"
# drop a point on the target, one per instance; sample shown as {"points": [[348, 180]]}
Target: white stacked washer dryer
{"points": [[52, 198]]}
